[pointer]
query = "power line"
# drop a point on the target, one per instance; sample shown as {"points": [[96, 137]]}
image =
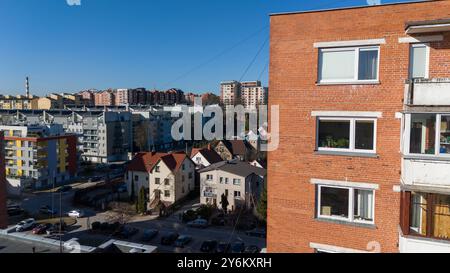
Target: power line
{"points": [[254, 59], [216, 56], [264, 70]]}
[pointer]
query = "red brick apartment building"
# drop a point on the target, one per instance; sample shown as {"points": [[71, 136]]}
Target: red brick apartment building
{"points": [[3, 215], [361, 164]]}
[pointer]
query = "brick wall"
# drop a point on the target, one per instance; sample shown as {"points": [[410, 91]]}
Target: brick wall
{"points": [[293, 74]]}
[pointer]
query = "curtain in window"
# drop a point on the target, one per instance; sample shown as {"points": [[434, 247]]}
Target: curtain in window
{"points": [[337, 65], [418, 61], [442, 216], [364, 205], [368, 64]]}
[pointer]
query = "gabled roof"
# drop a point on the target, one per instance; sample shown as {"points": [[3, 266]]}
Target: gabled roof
{"points": [[236, 147], [210, 155], [145, 162], [235, 167]]}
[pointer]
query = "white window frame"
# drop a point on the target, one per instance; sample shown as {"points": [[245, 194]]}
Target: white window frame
{"points": [[351, 205], [437, 142], [352, 121], [357, 50], [427, 61]]}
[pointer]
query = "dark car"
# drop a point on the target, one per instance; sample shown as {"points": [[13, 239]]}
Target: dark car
{"points": [[169, 238], [238, 247], [64, 189], [149, 234], [55, 229], [47, 210], [126, 232], [223, 248], [182, 241], [260, 233], [252, 249], [41, 229], [209, 247], [15, 211]]}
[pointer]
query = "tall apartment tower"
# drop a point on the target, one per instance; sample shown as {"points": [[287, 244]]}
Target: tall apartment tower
{"points": [[364, 126], [3, 212], [230, 93], [27, 87], [253, 94]]}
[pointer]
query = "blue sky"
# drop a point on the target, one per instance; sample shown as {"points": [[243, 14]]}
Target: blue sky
{"points": [[188, 44]]}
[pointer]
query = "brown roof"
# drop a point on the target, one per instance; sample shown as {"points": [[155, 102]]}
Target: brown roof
{"points": [[236, 147], [208, 154], [145, 162]]}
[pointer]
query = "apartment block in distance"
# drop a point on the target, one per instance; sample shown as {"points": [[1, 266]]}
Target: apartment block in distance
{"points": [[253, 94], [364, 121], [3, 212], [230, 93], [38, 156]]}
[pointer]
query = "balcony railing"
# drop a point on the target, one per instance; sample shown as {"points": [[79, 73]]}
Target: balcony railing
{"points": [[209, 194], [428, 92]]}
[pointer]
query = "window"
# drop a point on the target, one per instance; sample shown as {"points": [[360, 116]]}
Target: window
{"points": [[157, 169], [190, 175], [237, 182], [209, 177], [157, 181], [429, 134], [344, 203], [183, 167], [166, 182], [226, 180], [221, 180], [430, 215], [136, 178], [182, 178], [348, 64], [355, 135], [419, 61], [166, 193], [237, 194]]}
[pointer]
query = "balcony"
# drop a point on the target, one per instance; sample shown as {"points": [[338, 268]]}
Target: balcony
{"points": [[209, 194], [410, 244], [428, 92]]}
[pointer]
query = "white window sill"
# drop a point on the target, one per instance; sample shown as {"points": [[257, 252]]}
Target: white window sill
{"points": [[346, 222], [347, 153], [349, 83]]}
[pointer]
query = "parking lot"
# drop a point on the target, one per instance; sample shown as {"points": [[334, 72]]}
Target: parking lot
{"points": [[82, 228]]}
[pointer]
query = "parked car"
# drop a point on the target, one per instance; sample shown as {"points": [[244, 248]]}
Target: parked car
{"points": [[122, 189], [149, 234], [182, 241], [55, 229], [209, 246], [15, 211], [47, 210], [64, 189], [260, 233], [127, 232], [199, 223], [189, 215], [25, 225], [238, 247], [252, 249], [223, 247], [76, 214], [169, 238], [41, 229], [218, 221]]}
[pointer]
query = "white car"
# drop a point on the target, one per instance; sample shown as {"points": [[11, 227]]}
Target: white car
{"points": [[76, 214], [25, 224]]}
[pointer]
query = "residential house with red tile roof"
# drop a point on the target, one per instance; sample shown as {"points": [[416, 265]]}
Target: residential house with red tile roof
{"points": [[168, 177]]}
